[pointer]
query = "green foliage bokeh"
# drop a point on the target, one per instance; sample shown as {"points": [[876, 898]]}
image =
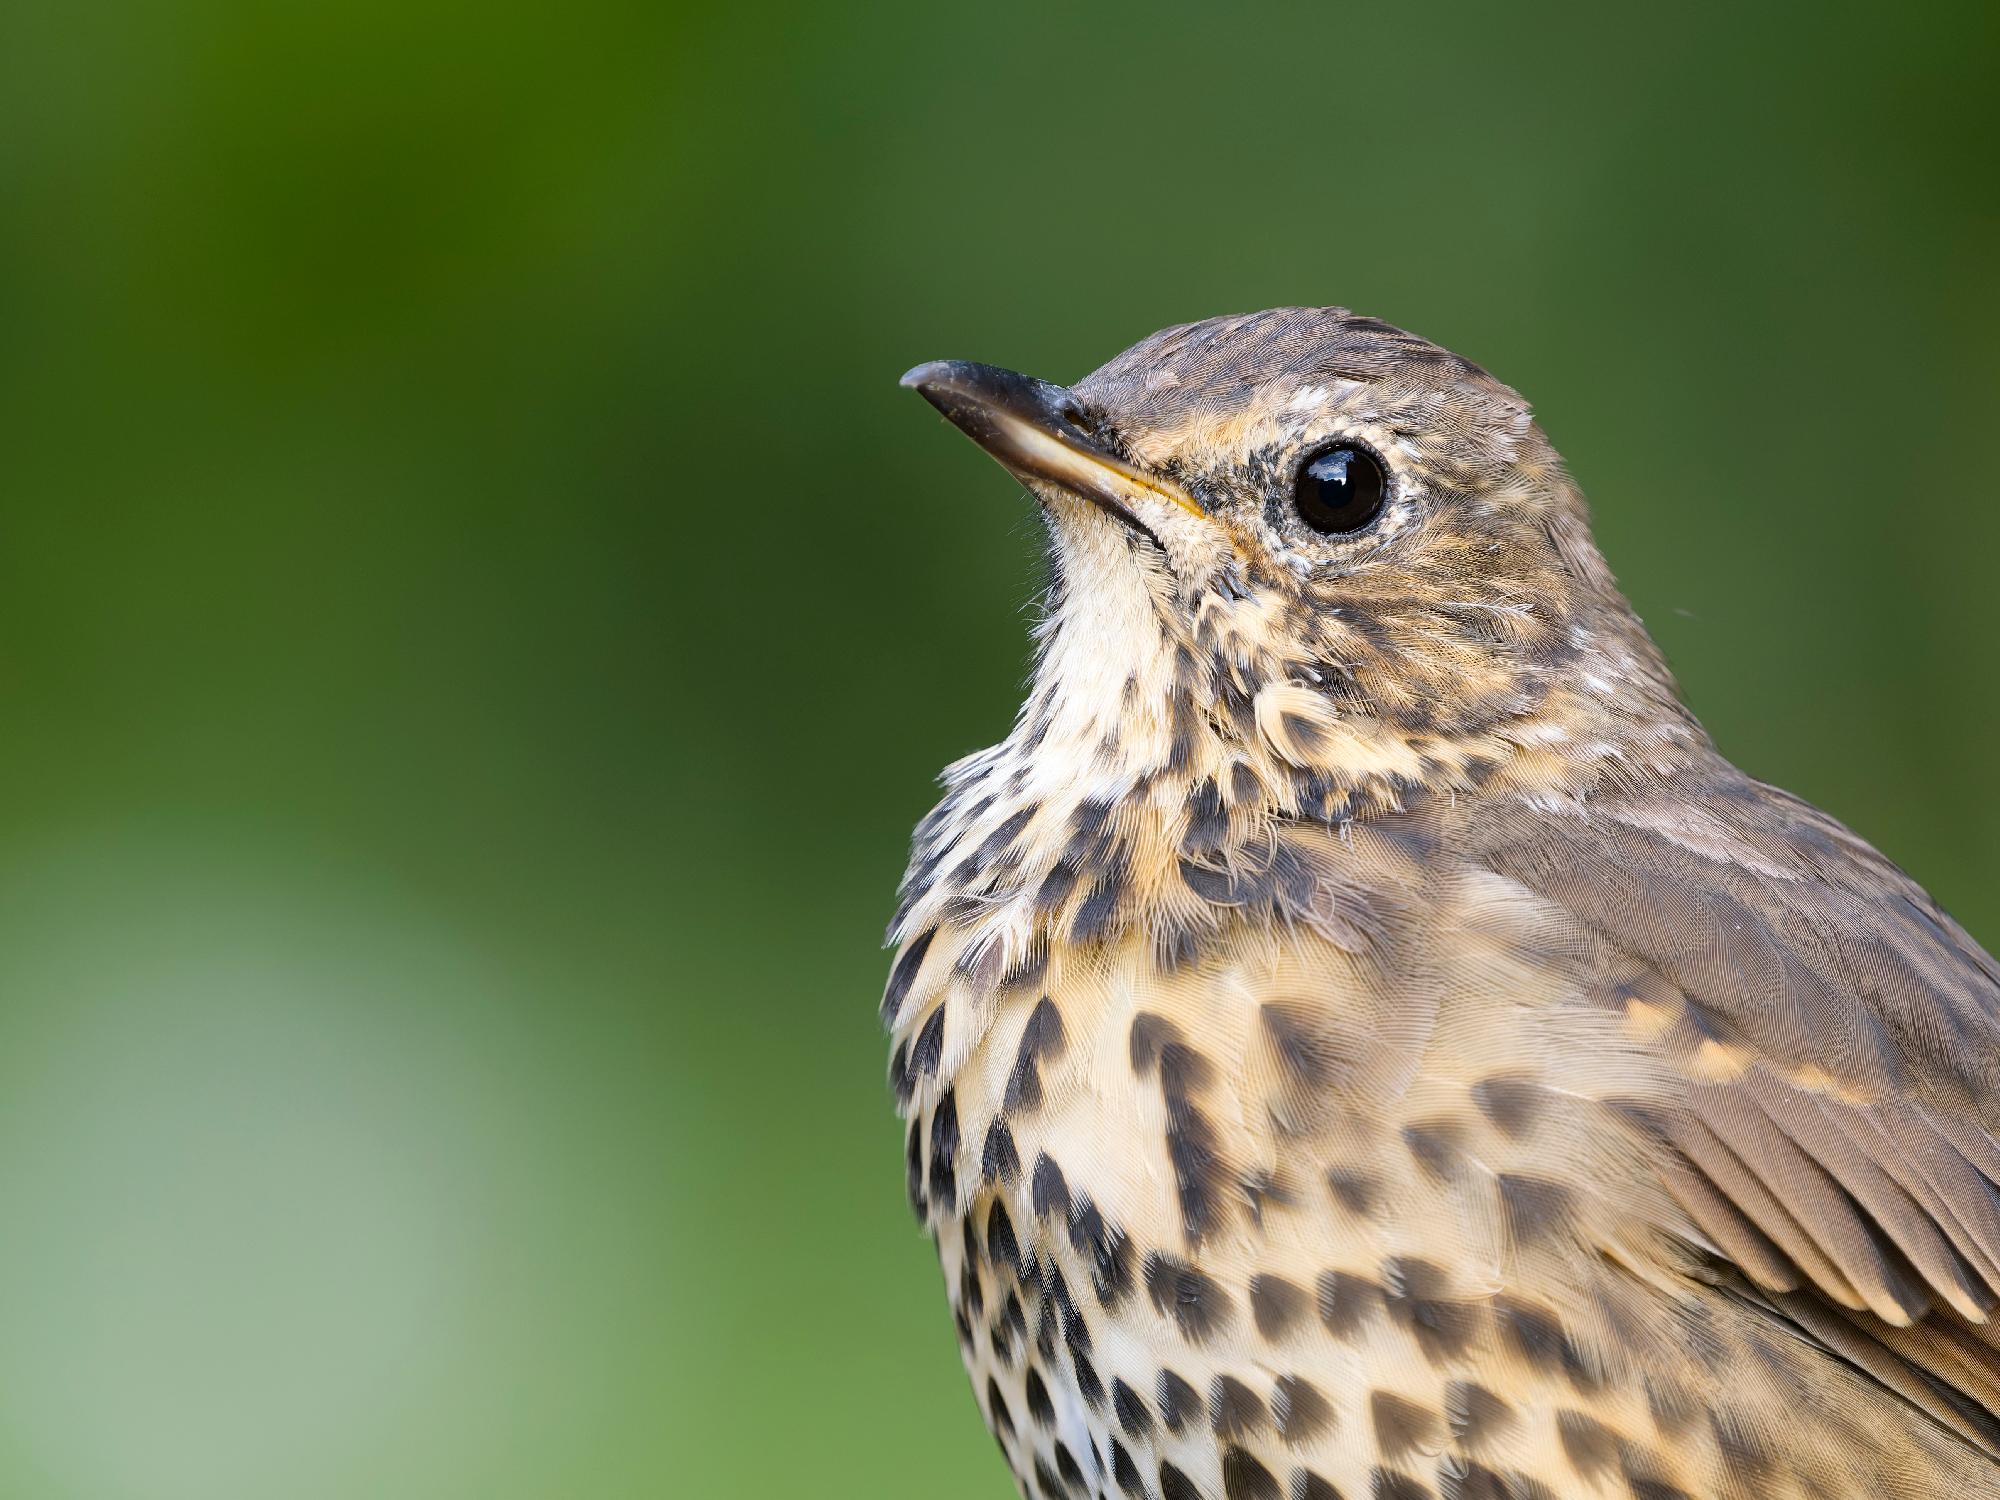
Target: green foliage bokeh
{"points": [[478, 620]]}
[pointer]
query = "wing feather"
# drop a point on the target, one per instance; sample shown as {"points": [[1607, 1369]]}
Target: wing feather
{"points": [[1831, 1045]]}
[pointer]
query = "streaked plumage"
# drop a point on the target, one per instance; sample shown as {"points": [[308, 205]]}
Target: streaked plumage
{"points": [[1357, 1035]]}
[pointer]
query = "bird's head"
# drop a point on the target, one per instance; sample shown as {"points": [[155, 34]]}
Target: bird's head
{"points": [[1306, 570], [1308, 538]]}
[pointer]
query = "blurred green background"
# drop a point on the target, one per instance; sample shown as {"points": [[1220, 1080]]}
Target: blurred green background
{"points": [[478, 620]]}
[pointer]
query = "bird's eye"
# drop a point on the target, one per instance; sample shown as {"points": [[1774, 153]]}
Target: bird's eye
{"points": [[1339, 489]]}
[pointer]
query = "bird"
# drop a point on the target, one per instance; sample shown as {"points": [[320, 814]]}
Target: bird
{"points": [[1358, 1037]]}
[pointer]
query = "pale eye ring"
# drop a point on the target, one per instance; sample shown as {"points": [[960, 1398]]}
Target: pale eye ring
{"points": [[1340, 489]]}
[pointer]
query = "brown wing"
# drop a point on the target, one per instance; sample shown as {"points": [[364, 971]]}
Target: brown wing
{"points": [[1837, 1038]]}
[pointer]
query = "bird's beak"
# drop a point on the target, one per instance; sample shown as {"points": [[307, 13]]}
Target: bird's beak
{"points": [[1036, 430]]}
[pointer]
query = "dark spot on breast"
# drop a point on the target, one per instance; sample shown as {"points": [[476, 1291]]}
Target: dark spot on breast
{"points": [[1090, 824], [1197, 1166], [913, 1165], [1345, 1301], [980, 962], [1675, 1408], [1088, 1383], [910, 894], [1302, 1413], [1196, 1304], [1310, 791], [1150, 1033], [1030, 966], [1479, 769], [1099, 909], [1238, 706], [1387, 1484], [1475, 1413], [1415, 1292], [1402, 1426], [997, 1415], [1076, 1332], [1213, 886], [1276, 1304], [1066, 1466], [1011, 1326], [1234, 1410], [1039, 1406], [1174, 1485], [1262, 1190], [1177, 944], [1207, 818], [1511, 1102], [971, 1291], [904, 973], [1307, 1485], [929, 1050], [1179, 1402], [1590, 1446], [1458, 1480], [1438, 1146], [1083, 855], [1104, 1248], [1045, 1329], [998, 841], [998, 1160], [1047, 1485], [899, 1073], [1000, 1338], [1533, 1208], [1244, 787], [1285, 885], [1041, 1038], [1001, 1246], [963, 909], [1353, 1191], [1309, 1052], [1306, 734], [1056, 886], [1126, 1472], [1537, 1336], [1048, 1192], [1243, 1478], [1748, 1460], [944, 1150], [934, 820], [1200, 1174], [1130, 1409]]}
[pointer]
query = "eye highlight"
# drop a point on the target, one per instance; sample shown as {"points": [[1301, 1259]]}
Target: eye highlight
{"points": [[1339, 489]]}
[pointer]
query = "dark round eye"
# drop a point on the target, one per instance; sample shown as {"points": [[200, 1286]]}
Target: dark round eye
{"points": [[1340, 489]]}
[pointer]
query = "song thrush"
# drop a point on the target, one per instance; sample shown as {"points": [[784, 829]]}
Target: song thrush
{"points": [[1360, 1039]]}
